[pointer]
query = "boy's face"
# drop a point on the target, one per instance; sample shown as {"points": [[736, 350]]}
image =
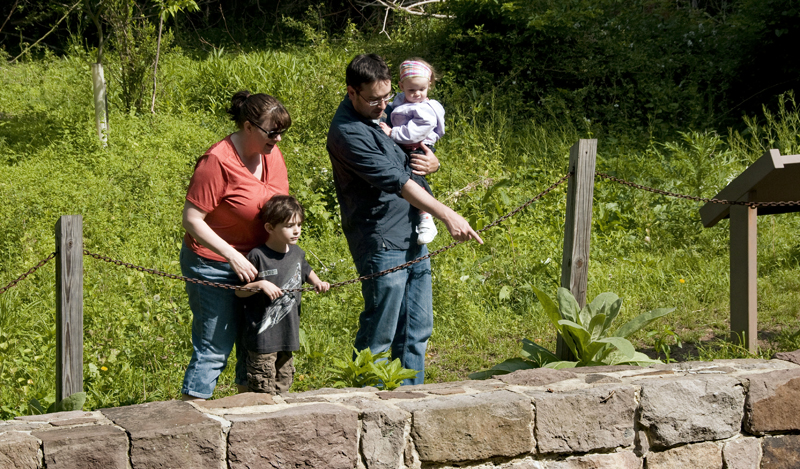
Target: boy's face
{"points": [[287, 232], [415, 89]]}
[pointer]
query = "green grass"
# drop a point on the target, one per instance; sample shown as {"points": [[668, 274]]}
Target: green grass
{"points": [[137, 327]]}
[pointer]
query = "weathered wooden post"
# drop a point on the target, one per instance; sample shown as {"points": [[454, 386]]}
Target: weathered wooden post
{"points": [[69, 306], [100, 103], [578, 227], [744, 275]]}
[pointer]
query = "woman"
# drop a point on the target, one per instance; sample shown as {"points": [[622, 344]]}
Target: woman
{"points": [[231, 182]]}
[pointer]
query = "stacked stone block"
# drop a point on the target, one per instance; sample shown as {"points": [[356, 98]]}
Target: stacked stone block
{"points": [[726, 414]]}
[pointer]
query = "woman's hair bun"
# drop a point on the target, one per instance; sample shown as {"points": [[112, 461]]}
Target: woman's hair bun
{"points": [[257, 107], [237, 103]]}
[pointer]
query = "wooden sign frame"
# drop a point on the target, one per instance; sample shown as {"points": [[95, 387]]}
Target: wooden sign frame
{"points": [[772, 178]]}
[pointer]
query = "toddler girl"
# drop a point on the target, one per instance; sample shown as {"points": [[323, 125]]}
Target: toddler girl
{"points": [[417, 120]]}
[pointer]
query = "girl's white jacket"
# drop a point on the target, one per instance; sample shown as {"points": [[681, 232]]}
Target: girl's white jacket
{"points": [[416, 122]]}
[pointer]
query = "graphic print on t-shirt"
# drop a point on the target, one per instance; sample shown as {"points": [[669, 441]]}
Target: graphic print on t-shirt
{"points": [[283, 305]]}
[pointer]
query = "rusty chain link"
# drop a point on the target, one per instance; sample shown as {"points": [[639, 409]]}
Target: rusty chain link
{"points": [[691, 197], [30, 271], [337, 284]]}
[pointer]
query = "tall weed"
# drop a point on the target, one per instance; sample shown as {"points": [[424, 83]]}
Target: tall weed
{"points": [[779, 130]]}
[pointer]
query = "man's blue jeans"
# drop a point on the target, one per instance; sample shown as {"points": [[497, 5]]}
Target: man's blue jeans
{"points": [[398, 307], [214, 324]]}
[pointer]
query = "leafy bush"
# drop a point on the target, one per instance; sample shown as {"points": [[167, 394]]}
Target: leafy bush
{"points": [[72, 402], [367, 369], [659, 66], [587, 334]]}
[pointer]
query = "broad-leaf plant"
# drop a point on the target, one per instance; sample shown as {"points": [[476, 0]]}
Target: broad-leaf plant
{"points": [[588, 333]]}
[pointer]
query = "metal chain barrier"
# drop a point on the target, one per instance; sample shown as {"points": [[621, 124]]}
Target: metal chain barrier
{"points": [[338, 284], [414, 261], [691, 197], [443, 249], [166, 274], [409, 263], [30, 271]]}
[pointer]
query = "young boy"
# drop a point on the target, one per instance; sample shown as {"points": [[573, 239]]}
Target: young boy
{"points": [[271, 318]]}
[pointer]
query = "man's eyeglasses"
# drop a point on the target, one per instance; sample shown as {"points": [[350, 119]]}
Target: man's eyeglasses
{"points": [[378, 101], [271, 134]]}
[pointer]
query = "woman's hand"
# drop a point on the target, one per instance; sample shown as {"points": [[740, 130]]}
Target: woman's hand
{"points": [[425, 164], [194, 221], [241, 266]]}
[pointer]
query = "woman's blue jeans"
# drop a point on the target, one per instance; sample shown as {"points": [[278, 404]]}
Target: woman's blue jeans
{"points": [[214, 324], [398, 307]]}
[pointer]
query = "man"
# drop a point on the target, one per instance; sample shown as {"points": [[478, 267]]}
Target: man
{"points": [[380, 206]]}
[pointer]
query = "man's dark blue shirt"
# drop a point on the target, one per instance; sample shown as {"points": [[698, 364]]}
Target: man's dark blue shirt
{"points": [[369, 172]]}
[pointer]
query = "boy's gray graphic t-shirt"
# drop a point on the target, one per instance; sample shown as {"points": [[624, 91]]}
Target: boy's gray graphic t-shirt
{"points": [[273, 326]]}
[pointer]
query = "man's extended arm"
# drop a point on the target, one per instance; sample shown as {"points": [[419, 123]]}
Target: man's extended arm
{"points": [[456, 224]]}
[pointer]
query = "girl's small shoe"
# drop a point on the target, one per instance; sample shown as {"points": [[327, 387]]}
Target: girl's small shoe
{"points": [[426, 230]]}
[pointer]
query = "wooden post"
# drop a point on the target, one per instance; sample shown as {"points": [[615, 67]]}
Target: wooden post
{"points": [[69, 306], [100, 103], [577, 227], [744, 314]]}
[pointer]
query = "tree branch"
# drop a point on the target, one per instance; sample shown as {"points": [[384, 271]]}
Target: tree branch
{"points": [[386, 17], [399, 6], [94, 15], [48, 32], [9, 15], [423, 3]]}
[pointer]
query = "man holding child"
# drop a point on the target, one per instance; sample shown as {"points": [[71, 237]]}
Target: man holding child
{"points": [[380, 206]]}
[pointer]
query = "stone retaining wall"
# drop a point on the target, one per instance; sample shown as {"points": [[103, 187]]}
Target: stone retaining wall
{"points": [[723, 414]]}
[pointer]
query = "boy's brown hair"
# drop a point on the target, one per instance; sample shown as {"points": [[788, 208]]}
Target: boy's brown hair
{"points": [[280, 209]]}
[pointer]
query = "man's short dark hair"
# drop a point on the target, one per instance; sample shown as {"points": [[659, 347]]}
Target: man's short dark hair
{"points": [[281, 209], [366, 68]]}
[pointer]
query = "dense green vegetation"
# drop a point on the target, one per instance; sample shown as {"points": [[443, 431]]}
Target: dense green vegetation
{"points": [[508, 137]]}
